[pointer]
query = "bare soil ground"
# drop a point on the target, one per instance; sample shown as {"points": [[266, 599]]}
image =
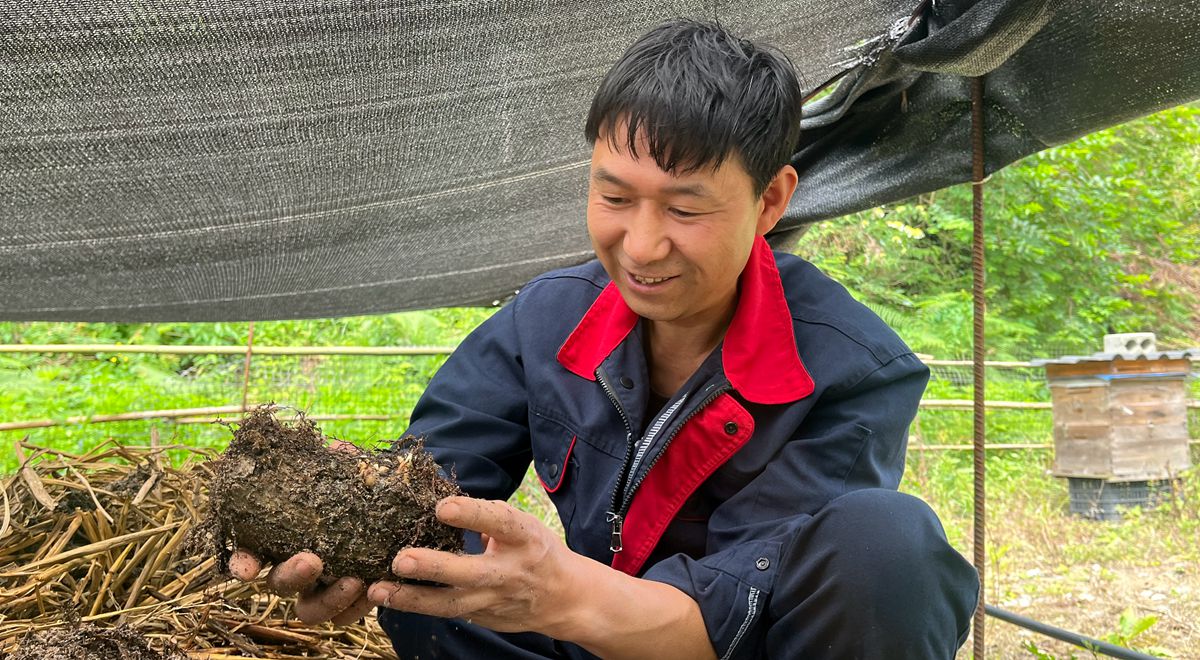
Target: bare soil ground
{"points": [[1099, 579], [85, 641]]}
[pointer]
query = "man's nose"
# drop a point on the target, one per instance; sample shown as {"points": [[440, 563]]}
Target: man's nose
{"points": [[645, 237]]}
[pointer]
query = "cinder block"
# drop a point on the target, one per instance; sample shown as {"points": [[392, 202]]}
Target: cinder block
{"points": [[1130, 344]]}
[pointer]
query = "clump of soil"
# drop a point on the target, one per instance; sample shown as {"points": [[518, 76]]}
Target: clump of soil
{"points": [[84, 641], [280, 489]]}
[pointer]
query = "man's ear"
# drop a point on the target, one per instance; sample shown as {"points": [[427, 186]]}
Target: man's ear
{"points": [[776, 197]]}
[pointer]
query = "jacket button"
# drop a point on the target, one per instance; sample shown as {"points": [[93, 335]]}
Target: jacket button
{"points": [[762, 563], [552, 470], [627, 382], [731, 428]]}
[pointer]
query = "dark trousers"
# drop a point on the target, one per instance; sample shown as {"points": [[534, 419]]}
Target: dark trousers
{"points": [[871, 576]]}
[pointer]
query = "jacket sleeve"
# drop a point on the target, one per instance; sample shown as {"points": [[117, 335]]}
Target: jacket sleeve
{"points": [[473, 414], [852, 439]]}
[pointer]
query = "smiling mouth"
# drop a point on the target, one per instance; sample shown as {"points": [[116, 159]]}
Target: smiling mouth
{"points": [[649, 280]]}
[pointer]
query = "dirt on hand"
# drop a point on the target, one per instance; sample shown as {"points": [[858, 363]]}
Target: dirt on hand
{"points": [[84, 641], [280, 489]]}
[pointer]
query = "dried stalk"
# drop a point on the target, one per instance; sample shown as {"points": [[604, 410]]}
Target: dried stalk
{"points": [[124, 561], [7, 514], [32, 480]]}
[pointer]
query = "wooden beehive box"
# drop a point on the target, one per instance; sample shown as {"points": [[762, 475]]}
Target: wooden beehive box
{"points": [[1120, 419]]}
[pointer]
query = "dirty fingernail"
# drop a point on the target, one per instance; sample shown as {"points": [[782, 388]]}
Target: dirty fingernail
{"points": [[404, 565], [379, 594]]}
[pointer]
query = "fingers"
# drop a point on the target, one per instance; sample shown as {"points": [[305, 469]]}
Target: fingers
{"points": [[433, 601], [332, 601], [467, 571], [496, 519], [343, 602], [297, 574], [244, 566], [355, 612]]}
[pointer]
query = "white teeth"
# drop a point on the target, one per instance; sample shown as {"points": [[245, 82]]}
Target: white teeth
{"points": [[650, 280]]}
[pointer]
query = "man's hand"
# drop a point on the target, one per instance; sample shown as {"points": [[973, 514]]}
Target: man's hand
{"points": [[527, 579], [523, 580], [343, 601]]}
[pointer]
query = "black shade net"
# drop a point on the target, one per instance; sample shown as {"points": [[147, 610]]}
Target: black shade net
{"points": [[195, 161]]}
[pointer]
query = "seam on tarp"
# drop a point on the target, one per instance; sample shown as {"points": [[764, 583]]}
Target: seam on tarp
{"points": [[296, 217], [309, 292]]}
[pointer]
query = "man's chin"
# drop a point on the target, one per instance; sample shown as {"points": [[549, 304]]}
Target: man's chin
{"points": [[648, 311]]}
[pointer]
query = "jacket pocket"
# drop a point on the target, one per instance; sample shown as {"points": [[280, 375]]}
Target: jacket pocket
{"points": [[553, 446]]}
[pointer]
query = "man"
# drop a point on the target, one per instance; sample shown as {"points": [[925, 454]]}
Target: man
{"points": [[721, 428]]}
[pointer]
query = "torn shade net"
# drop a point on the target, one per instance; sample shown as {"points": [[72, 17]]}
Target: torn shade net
{"points": [[188, 161]]}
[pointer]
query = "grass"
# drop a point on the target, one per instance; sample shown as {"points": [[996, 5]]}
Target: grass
{"points": [[40, 386], [1101, 579]]}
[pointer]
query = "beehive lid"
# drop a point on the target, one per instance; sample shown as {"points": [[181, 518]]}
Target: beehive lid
{"points": [[1185, 354], [1108, 366]]}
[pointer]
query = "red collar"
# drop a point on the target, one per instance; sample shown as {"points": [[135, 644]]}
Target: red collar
{"points": [[759, 351]]}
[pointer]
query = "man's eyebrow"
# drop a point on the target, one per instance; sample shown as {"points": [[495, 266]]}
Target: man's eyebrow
{"points": [[689, 189], [601, 174]]}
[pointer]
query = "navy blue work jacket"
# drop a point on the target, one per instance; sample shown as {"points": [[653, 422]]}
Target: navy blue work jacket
{"points": [[809, 396]]}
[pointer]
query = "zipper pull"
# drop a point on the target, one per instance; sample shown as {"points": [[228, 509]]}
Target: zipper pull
{"points": [[614, 539]]}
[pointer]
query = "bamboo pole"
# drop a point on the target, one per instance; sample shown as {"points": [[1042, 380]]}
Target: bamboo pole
{"points": [[991, 364], [966, 404], [211, 414], [1000, 364], [226, 350], [122, 417], [314, 418], [999, 446], [246, 367]]}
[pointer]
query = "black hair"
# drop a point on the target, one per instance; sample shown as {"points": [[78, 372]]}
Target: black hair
{"points": [[700, 95]]}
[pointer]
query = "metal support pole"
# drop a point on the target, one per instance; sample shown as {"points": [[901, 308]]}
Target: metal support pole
{"points": [[980, 309]]}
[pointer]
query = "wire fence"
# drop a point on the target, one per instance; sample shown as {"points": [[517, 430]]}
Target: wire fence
{"points": [[369, 397], [55, 398]]}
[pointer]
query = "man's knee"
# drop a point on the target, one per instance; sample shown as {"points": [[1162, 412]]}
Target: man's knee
{"points": [[875, 566], [890, 548], [877, 530]]}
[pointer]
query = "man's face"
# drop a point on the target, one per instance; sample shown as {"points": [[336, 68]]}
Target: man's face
{"points": [[674, 244]]}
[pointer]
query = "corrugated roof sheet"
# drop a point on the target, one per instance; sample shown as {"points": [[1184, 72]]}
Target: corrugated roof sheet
{"points": [[1185, 354]]}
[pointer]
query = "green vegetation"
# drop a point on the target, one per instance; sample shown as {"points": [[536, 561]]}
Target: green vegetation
{"points": [[1100, 235], [1129, 627], [36, 386]]}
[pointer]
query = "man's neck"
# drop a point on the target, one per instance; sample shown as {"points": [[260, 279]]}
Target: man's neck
{"points": [[674, 351]]}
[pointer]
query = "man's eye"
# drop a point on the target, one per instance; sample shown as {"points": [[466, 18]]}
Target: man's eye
{"points": [[683, 214], [614, 200]]}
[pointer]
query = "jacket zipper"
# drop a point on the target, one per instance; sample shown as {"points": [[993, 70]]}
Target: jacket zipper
{"points": [[629, 492], [622, 496], [611, 517], [648, 439]]}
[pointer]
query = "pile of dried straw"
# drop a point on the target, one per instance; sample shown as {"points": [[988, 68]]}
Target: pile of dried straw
{"points": [[100, 538]]}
